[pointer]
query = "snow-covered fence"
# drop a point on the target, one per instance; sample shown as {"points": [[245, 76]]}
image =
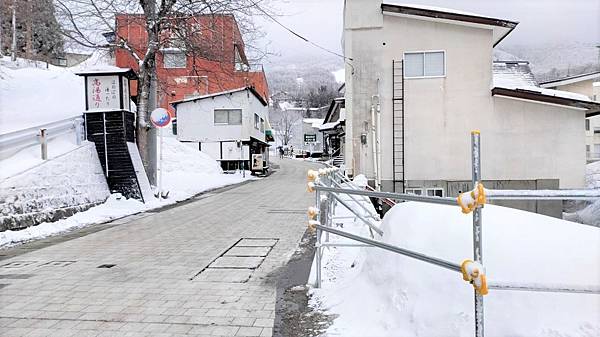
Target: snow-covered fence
{"points": [[473, 271], [12, 142]]}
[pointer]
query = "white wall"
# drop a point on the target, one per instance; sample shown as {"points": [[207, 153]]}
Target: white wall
{"points": [[439, 113], [521, 140], [195, 119]]}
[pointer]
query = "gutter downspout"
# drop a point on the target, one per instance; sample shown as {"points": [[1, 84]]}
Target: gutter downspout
{"points": [[375, 136]]}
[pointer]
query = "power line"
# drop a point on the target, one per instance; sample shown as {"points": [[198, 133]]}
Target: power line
{"points": [[302, 37]]}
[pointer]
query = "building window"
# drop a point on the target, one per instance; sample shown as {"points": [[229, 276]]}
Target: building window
{"points": [[425, 64], [262, 125], [587, 125], [228, 117], [174, 124], [173, 59], [256, 121], [435, 192], [415, 191]]}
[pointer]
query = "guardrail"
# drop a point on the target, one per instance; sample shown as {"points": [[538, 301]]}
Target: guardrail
{"points": [[13, 142], [328, 190]]}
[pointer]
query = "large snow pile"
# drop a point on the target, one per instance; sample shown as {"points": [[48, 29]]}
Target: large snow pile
{"points": [[186, 172], [374, 292], [30, 95]]}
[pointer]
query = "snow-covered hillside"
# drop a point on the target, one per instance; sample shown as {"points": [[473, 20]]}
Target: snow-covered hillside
{"points": [[378, 293]]}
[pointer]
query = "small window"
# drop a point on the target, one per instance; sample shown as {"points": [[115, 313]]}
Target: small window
{"points": [[256, 121], [228, 117], [174, 60], [587, 148], [587, 125], [174, 124], [262, 125], [415, 191], [425, 64], [435, 192]]}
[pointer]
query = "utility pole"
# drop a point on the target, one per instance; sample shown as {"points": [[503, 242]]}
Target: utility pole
{"points": [[14, 31]]}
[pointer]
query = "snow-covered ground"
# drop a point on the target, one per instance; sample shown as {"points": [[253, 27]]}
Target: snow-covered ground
{"points": [[187, 172], [31, 94], [373, 292]]}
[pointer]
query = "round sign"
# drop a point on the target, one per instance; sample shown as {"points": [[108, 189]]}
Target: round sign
{"points": [[160, 118]]}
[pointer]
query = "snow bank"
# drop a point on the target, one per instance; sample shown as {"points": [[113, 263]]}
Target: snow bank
{"points": [[187, 172], [386, 294], [56, 188], [33, 96]]}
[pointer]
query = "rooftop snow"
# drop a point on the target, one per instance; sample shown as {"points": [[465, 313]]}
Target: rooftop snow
{"points": [[518, 76], [315, 122], [512, 75]]}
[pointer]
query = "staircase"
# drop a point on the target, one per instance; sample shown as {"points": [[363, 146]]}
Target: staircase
{"points": [[110, 132], [338, 161]]}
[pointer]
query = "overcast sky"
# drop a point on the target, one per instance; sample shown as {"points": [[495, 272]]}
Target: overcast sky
{"points": [[540, 21]]}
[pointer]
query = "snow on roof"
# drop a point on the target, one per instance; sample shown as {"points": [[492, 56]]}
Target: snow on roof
{"points": [[328, 126], [191, 99], [571, 79], [315, 122], [518, 76], [512, 74]]}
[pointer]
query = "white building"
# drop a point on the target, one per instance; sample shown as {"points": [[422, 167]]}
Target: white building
{"points": [[229, 126], [589, 85], [429, 72]]}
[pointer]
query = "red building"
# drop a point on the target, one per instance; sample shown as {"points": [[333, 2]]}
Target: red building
{"points": [[212, 58]]}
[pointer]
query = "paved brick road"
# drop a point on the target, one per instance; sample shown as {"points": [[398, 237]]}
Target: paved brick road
{"points": [[155, 287]]}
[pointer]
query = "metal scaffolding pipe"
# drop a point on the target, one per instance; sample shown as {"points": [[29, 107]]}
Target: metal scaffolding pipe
{"points": [[389, 195], [542, 194], [594, 290], [369, 223], [401, 251]]}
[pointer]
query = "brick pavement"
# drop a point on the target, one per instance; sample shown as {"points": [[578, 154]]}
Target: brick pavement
{"points": [[160, 284]]}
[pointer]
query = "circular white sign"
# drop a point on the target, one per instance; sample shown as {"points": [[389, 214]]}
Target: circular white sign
{"points": [[160, 118]]}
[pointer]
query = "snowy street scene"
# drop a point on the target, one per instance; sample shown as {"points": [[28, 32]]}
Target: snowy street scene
{"points": [[359, 168]]}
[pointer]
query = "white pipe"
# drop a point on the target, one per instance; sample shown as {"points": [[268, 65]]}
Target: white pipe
{"points": [[374, 145]]}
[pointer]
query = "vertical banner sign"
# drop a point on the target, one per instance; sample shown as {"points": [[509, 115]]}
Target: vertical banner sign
{"points": [[103, 92], [126, 96]]}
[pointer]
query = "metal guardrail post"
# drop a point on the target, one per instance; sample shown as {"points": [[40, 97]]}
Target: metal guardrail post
{"points": [[477, 230], [78, 130], [44, 144], [318, 241]]}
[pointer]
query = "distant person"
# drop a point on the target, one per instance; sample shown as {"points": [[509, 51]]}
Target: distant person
{"points": [[281, 152], [292, 151]]}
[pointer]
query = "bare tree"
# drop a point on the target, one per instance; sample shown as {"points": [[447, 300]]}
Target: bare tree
{"points": [[285, 122], [167, 24]]}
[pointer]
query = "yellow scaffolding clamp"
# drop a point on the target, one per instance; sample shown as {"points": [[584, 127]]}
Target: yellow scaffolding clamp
{"points": [[474, 273], [470, 200]]}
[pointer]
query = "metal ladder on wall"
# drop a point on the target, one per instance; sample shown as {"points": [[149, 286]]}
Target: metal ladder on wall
{"points": [[398, 125]]}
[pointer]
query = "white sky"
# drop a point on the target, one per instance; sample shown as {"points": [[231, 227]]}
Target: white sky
{"points": [[541, 21]]}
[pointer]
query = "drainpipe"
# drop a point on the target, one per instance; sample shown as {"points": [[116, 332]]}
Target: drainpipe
{"points": [[375, 133]]}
